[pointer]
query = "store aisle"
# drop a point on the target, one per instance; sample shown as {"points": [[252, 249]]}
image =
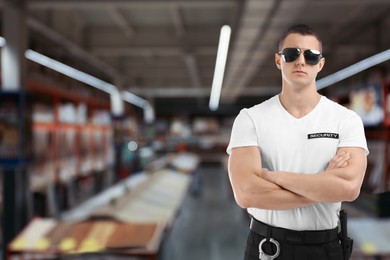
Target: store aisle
{"points": [[210, 226]]}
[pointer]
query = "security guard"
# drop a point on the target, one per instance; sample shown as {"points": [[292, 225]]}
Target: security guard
{"points": [[294, 158]]}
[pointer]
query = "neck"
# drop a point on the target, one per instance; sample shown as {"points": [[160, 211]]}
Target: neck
{"points": [[299, 102]]}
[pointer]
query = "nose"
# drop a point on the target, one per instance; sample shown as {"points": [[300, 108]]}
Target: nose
{"points": [[300, 59]]}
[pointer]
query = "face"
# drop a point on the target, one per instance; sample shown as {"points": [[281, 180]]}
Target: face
{"points": [[299, 73]]}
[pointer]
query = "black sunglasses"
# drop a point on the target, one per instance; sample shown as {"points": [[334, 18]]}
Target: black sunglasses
{"points": [[312, 57]]}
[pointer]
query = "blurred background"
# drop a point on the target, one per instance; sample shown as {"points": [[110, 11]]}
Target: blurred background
{"points": [[114, 120]]}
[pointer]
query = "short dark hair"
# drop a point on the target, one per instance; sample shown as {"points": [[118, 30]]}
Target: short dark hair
{"points": [[301, 29]]}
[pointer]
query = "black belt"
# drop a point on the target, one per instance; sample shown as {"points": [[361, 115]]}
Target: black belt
{"points": [[294, 236]]}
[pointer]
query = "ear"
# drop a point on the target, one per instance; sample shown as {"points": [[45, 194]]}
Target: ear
{"points": [[321, 64], [277, 60]]}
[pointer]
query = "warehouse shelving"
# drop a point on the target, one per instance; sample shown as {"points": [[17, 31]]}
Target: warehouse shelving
{"points": [[73, 142]]}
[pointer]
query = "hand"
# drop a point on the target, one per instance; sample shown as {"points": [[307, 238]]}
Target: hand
{"points": [[263, 171], [268, 175], [339, 161]]}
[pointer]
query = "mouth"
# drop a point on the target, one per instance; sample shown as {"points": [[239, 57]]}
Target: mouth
{"points": [[299, 72]]}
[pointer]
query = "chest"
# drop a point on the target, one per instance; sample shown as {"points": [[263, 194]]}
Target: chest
{"points": [[286, 145]]}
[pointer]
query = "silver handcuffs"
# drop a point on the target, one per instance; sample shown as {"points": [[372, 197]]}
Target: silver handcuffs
{"points": [[264, 256]]}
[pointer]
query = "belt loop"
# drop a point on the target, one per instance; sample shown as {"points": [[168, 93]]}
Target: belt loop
{"points": [[269, 233]]}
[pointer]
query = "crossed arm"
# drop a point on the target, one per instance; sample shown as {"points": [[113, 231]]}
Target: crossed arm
{"points": [[256, 187]]}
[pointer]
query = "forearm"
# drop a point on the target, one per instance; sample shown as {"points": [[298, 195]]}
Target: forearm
{"points": [[326, 186], [260, 193], [317, 187], [281, 199], [251, 190], [341, 182]]}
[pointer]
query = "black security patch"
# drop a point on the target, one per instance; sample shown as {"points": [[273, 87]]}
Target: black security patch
{"points": [[323, 135]]}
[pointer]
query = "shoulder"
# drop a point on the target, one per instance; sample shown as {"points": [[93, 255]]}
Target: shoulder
{"points": [[337, 110], [263, 107], [347, 119], [250, 116]]}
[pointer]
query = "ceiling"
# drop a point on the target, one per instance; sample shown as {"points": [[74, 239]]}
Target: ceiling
{"points": [[165, 50]]}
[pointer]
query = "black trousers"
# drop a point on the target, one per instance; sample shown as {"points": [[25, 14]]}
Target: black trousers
{"points": [[288, 251]]}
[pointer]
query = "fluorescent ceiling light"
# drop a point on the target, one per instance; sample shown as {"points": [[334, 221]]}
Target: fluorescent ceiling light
{"points": [[2, 41], [353, 69], [220, 63], [70, 72], [149, 115], [85, 78], [81, 76], [134, 99]]}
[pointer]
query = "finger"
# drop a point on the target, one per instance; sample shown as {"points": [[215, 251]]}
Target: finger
{"points": [[336, 161], [339, 160], [342, 157], [341, 164], [343, 161]]}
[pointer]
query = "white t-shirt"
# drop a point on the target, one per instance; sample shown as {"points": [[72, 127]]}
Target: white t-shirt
{"points": [[304, 145]]}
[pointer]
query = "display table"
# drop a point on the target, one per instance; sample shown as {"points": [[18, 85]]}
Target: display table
{"points": [[156, 200], [48, 238], [127, 219]]}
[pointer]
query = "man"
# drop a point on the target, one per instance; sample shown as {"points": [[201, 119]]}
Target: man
{"points": [[294, 158]]}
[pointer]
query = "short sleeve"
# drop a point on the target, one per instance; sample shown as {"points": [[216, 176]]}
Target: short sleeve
{"points": [[243, 132], [352, 133]]}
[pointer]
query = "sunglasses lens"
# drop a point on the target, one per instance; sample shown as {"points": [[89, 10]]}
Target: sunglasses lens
{"points": [[312, 57], [290, 54]]}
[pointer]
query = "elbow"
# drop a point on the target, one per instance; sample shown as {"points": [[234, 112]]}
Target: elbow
{"points": [[246, 199], [352, 192], [241, 192], [353, 195], [242, 199]]}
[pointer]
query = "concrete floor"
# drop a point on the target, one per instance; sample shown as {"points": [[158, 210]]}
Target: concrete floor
{"points": [[210, 226]]}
